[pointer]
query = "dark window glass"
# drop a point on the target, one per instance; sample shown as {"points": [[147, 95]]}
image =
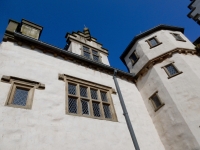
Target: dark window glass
{"points": [[104, 96], [133, 57], [86, 49], [86, 54], [85, 107], [83, 91], [94, 94], [178, 37], [20, 97], [153, 42], [72, 89], [171, 69], [156, 101], [72, 105], [95, 58], [107, 111], [96, 109]]}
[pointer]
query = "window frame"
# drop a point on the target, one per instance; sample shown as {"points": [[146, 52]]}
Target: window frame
{"points": [[21, 84], [25, 86], [181, 39], [156, 39], [134, 61], [168, 73], [91, 53], [89, 85], [153, 103]]}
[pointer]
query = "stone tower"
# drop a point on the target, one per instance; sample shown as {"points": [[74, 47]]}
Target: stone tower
{"points": [[166, 67]]}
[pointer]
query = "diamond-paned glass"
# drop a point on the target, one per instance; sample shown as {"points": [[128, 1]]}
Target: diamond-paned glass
{"points": [[178, 37], [20, 97], [83, 91], [107, 112], [156, 100], [72, 89], [95, 58], [133, 57], [93, 94], [72, 105], [85, 107], [96, 109], [171, 69], [153, 42], [94, 52], [86, 49], [86, 54], [104, 96]]}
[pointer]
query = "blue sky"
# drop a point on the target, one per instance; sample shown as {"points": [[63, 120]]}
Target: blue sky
{"points": [[113, 22]]}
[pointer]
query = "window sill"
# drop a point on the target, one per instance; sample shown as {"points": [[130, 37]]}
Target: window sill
{"points": [[159, 107], [175, 75], [155, 45]]}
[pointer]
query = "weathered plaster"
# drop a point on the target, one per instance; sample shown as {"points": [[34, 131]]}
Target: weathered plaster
{"points": [[46, 126]]}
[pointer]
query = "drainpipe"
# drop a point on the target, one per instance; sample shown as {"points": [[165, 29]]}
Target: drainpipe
{"points": [[128, 122]]}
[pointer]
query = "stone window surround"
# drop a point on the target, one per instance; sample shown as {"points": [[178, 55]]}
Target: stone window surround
{"points": [[23, 84], [156, 39], [162, 103], [80, 82], [91, 54], [168, 73], [179, 36], [134, 61]]}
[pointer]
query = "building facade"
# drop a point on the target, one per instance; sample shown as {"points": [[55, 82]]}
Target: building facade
{"points": [[195, 10], [54, 98]]}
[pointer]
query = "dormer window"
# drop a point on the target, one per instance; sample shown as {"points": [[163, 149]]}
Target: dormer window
{"points": [[153, 42], [91, 54], [134, 57], [178, 37]]}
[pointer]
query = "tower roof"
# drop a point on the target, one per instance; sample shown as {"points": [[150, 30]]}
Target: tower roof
{"points": [[146, 33]]}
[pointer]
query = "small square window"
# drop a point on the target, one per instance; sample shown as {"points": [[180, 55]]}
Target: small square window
{"points": [[178, 37], [21, 92], [21, 96], [91, 54], [153, 42], [171, 70], [134, 57], [157, 103]]}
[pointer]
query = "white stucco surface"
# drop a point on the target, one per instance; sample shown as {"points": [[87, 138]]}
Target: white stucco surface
{"points": [[146, 53], [46, 126], [177, 121]]}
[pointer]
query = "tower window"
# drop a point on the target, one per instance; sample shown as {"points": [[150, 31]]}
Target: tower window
{"points": [[178, 37], [134, 57], [153, 42], [91, 54], [171, 70], [157, 103], [88, 99]]}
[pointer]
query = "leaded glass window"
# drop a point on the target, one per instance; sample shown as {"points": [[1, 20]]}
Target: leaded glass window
{"points": [[107, 112], [86, 54], [94, 94], [91, 100], [20, 97], [156, 101], [72, 89], [85, 107], [171, 69], [72, 105], [104, 96], [83, 91], [95, 58], [91, 54], [96, 109], [153, 42]]}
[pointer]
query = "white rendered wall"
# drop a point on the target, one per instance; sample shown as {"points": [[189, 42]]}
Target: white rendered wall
{"points": [[146, 53], [46, 126], [177, 122]]}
